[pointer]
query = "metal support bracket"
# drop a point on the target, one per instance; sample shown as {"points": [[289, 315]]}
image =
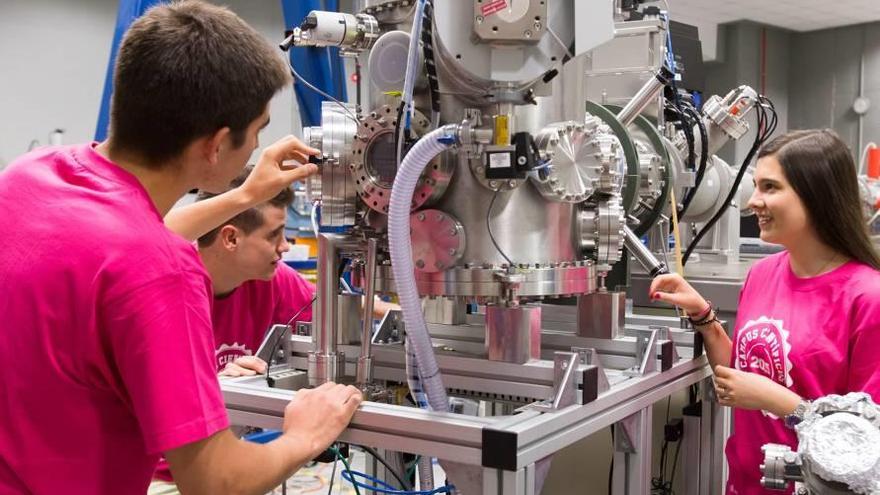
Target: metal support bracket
{"points": [[646, 356], [391, 329], [590, 356], [564, 384]]}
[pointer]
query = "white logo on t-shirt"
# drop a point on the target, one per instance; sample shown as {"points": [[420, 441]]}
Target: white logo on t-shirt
{"points": [[762, 347], [228, 353]]}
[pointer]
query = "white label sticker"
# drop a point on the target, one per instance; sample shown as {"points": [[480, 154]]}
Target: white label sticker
{"points": [[499, 160]]}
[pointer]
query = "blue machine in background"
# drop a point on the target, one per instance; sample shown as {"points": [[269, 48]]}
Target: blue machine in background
{"points": [[320, 66], [129, 10]]}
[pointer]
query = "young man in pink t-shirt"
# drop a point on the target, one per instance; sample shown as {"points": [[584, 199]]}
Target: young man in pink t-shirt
{"points": [[253, 288], [111, 339]]}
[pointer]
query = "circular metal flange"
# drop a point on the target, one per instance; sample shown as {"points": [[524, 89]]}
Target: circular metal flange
{"points": [[655, 174], [655, 183], [549, 281], [335, 139], [582, 158], [651, 171], [600, 230], [374, 162], [438, 240], [631, 181]]}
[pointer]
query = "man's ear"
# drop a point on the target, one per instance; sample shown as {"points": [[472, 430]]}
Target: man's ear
{"points": [[214, 145], [230, 237]]}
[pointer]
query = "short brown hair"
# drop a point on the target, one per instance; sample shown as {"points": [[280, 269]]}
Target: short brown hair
{"points": [[186, 70], [250, 219]]}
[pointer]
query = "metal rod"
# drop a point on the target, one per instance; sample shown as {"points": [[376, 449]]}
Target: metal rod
{"points": [[323, 361], [642, 254], [644, 97], [365, 368]]}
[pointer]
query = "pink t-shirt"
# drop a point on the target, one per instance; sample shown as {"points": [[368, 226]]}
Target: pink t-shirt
{"points": [[242, 317], [817, 336], [106, 334]]}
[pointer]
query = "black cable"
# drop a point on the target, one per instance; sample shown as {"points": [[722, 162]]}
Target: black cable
{"points": [[333, 475], [766, 127], [659, 484], [314, 88], [704, 159], [398, 124], [381, 459], [489, 228], [314, 298], [688, 128], [428, 51], [281, 337], [611, 466], [674, 464]]}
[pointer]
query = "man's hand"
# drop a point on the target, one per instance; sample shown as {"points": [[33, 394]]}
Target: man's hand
{"points": [[244, 366], [316, 417], [271, 174], [381, 307], [222, 463], [745, 390], [673, 289]]}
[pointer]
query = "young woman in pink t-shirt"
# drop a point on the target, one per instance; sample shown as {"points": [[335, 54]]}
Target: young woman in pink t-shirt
{"points": [[808, 321]]}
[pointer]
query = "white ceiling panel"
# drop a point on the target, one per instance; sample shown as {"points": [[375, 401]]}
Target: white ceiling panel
{"points": [[797, 15]]}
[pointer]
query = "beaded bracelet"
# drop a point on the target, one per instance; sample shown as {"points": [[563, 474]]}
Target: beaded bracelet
{"points": [[710, 318]]}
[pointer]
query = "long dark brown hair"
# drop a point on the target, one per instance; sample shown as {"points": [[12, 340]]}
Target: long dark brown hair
{"points": [[820, 168]]}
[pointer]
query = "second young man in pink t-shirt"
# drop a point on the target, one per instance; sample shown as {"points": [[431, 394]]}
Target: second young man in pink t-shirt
{"points": [[253, 288]]}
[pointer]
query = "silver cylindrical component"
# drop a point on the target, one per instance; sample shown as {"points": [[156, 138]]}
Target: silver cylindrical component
{"points": [[323, 368], [364, 367], [513, 334], [323, 365], [642, 254], [347, 31], [644, 97]]}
